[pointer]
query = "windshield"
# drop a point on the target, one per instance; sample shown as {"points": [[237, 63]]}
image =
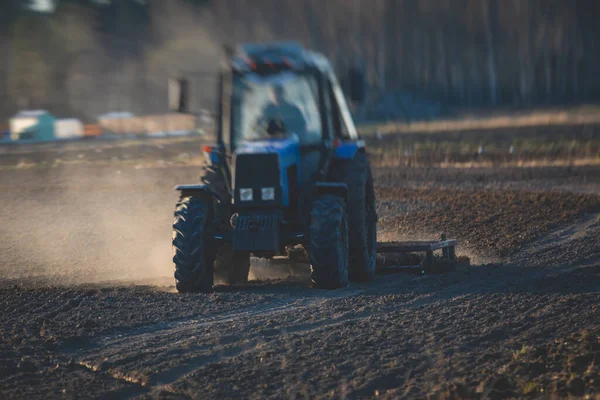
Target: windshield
{"points": [[285, 104]]}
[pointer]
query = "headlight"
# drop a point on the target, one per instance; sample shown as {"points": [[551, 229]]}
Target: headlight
{"points": [[246, 195], [268, 193]]}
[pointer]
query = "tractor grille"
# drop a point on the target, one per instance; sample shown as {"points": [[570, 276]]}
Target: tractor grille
{"points": [[257, 232], [257, 222]]}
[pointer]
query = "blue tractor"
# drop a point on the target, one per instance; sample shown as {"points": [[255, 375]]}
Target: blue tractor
{"points": [[287, 176]]}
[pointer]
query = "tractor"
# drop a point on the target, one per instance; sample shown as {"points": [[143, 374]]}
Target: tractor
{"points": [[288, 175]]}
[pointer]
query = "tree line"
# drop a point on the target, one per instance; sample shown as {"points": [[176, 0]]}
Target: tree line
{"points": [[89, 56]]}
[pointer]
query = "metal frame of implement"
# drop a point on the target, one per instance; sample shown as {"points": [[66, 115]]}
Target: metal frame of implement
{"points": [[387, 263], [389, 256]]}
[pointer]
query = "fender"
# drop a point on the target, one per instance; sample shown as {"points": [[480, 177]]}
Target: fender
{"points": [[202, 191], [334, 188], [347, 150]]}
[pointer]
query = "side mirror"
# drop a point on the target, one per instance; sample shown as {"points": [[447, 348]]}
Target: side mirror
{"points": [[178, 95], [355, 85]]}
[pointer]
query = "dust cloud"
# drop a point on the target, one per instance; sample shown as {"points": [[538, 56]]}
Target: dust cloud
{"points": [[82, 224], [106, 223], [261, 270]]}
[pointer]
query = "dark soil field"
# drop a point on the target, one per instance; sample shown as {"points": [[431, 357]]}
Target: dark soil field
{"points": [[88, 307]]}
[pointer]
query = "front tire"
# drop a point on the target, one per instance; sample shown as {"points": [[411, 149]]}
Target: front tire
{"points": [[328, 249], [193, 263]]}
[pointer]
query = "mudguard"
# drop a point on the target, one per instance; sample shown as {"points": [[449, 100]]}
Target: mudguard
{"points": [[199, 188], [196, 191], [347, 150]]}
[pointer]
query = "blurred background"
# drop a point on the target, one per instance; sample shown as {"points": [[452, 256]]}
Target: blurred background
{"points": [[424, 59]]}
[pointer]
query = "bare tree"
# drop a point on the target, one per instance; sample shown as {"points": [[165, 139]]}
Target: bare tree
{"points": [[464, 52], [489, 19]]}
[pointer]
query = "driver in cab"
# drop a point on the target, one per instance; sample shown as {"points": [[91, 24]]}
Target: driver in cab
{"points": [[282, 116]]}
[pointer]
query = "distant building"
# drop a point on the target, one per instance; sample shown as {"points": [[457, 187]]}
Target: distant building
{"points": [[32, 124]]}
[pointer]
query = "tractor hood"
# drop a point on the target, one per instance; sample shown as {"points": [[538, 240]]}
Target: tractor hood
{"points": [[288, 149], [265, 164]]}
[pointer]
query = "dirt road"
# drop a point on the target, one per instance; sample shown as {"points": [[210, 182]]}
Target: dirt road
{"points": [[88, 308]]}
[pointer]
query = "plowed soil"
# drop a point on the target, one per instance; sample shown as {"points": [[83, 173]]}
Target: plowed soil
{"points": [[88, 307]]}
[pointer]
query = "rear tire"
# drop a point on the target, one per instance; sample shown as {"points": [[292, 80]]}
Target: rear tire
{"points": [[362, 217], [328, 249], [368, 273], [193, 263], [231, 266]]}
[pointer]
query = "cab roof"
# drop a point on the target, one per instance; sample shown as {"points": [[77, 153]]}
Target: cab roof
{"points": [[288, 55]]}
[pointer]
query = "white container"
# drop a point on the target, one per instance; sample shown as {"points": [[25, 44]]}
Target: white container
{"points": [[68, 128]]}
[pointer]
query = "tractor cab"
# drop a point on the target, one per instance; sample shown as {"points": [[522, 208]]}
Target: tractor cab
{"points": [[282, 85], [287, 170], [279, 104], [281, 99]]}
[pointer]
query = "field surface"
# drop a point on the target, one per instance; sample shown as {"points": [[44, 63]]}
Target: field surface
{"points": [[88, 307]]}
